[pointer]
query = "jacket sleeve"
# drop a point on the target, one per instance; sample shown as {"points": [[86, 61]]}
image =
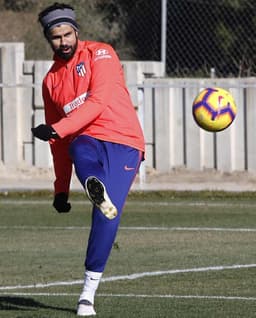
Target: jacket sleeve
{"points": [[105, 72], [59, 148]]}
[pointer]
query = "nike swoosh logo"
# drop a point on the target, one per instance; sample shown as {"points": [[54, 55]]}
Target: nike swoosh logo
{"points": [[128, 168], [219, 101]]}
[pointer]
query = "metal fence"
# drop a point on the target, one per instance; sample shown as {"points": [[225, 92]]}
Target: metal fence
{"points": [[193, 38], [199, 38]]}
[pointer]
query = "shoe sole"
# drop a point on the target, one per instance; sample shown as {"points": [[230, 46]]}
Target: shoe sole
{"points": [[85, 308], [97, 194]]}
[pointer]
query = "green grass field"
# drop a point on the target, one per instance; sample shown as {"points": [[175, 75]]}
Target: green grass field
{"points": [[176, 255]]}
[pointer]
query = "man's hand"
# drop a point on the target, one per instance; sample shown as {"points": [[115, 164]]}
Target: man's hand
{"points": [[61, 203], [44, 132]]}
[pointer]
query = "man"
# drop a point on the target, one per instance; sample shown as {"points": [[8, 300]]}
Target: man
{"points": [[91, 124]]}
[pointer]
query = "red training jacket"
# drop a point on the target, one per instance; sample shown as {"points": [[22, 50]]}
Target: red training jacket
{"points": [[87, 95]]}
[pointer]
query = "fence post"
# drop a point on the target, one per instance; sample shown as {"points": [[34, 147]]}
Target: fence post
{"points": [[163, 33], [12, 58], [42, 154]]}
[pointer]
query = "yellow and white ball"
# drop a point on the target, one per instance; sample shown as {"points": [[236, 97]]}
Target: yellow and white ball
{"points": [[214, 109]]}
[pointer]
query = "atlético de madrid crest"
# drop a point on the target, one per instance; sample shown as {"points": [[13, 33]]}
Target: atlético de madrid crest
{"points": [[80, 68]]}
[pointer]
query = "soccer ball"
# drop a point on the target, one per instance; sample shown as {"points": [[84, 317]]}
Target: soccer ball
{"points": [[214, 109]]}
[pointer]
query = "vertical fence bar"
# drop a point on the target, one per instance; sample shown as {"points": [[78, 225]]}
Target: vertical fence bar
{"points": [[154, 127], [245, 131], [141, 112], [163, 33], [1, 112]]}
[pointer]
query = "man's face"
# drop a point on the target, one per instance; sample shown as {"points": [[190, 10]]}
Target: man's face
{"points": [[63, 40]]}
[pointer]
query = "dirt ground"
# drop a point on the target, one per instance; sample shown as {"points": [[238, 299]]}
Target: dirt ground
{"points": [[24, 178]]}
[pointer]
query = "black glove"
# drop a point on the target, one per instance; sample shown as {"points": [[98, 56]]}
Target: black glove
{"points": [[61, 203], [44, 132]]}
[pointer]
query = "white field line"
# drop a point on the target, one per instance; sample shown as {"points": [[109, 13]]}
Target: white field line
{"points": [[180, 228], [133, 276], [135, 202], [207, 297], [180, 296], [131, 228]]}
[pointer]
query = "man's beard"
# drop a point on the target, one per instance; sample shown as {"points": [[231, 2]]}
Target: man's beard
{"points": [[66, 56]]}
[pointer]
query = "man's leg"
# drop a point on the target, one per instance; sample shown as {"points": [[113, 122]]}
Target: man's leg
{"points": [[114, 167], [120, 167]]}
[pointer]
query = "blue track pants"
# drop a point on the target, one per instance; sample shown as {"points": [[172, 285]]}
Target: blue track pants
{"points": [[116, 166]]}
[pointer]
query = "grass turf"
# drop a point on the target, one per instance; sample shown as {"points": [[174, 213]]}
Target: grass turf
{"points": [[160, 233]]}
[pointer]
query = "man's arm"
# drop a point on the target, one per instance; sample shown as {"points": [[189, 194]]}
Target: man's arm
{"points": [[59, 148]]}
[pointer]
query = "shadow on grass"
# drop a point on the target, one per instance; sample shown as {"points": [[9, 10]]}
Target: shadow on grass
{"points": [[24, 304]]}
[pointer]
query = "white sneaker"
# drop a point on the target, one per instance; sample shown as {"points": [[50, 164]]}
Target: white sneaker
{"points": [[97, 194], [85, 308]]}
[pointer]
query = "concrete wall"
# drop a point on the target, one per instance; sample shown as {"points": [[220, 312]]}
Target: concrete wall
{"points": [[164, 108], [176, 141]]}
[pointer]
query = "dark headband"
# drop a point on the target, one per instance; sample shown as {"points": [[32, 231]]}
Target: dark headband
{"points": [[57, 17]]}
